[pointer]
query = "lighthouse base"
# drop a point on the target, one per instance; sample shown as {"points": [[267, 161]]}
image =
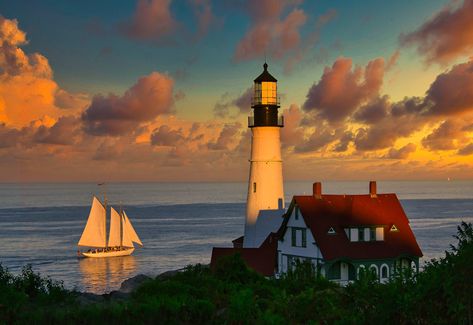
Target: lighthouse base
{"points": [[268, 221]]}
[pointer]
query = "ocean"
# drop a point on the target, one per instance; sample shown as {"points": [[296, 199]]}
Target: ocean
{"points": [[179, 223]]}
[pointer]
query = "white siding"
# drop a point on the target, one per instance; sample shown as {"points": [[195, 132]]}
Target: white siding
{"points": [[285, 248]]}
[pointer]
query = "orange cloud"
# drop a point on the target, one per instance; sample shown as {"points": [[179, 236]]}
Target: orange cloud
{"points": [[27, 91]]}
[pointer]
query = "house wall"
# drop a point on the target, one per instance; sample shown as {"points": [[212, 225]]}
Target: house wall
{"points": [[287, 252]]}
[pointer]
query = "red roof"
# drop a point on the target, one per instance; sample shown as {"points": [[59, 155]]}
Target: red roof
{"points": [[344, 211], [262, 259]]}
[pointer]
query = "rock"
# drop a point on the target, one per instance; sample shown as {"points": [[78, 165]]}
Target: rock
{"points": [[132, 283], [86, 298]]}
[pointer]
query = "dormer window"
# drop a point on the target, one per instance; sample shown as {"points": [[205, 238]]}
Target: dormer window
{"points": [[368, 234]]}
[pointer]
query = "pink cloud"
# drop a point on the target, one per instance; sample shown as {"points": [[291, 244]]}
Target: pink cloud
{"points": [[114, 115], [152, 21], [447, 35], [342, 89], [271, 32]]}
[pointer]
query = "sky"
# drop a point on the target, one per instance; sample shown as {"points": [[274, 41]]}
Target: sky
{"points": [[159, 90]]}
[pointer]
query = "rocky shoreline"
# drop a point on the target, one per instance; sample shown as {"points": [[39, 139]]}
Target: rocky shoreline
{"points": [[126, 288]]}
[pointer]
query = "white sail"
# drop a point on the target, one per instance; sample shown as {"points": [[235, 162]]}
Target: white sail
{"points": [[130, 230], [126, 239], [115, 231], [94, 231]]}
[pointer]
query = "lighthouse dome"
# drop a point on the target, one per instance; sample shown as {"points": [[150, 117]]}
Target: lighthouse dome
{"points": [[265, 75]]}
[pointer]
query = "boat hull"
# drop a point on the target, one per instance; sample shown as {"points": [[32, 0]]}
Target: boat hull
{"points": [[124, 252]]}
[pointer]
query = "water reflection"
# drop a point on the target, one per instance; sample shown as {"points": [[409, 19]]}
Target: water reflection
{"points": [[105, 274]]}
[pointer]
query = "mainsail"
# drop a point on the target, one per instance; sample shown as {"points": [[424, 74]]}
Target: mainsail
{"points": [[94, 231], [130, 230], [114, 238]]}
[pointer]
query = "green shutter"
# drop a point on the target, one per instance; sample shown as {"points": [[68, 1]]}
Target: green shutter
{"points": [[293, 237], [304, 238]]}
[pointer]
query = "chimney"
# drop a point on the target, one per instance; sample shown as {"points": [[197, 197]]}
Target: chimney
{"points": [[373, 189], [317, 190]]}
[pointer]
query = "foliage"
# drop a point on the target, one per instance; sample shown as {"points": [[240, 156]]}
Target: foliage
{"points": [[232, 294]]}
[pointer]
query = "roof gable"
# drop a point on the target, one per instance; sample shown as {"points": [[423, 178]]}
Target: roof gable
{"points": [[345, 211]]}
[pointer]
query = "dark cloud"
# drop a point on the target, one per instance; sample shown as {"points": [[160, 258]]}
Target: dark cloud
{"points": [[452, 92], [227, 136], [243, 103], [447, 136], [466, 150], [321, 137], [344, 142], [64, 132], [401, 153], [374, 111], [164, 136], [114, 115], [446, 35], [341, 90]]}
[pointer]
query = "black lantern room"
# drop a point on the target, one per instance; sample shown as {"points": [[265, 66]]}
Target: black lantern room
{"points": [[265, 102]]}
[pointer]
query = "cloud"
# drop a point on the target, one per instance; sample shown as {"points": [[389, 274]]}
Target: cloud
{"points": [[309, 42], [152, 21], [67, 100], [402, 153], [226, 138], [64, 132], [292, 133], [341, 90], [466, 150], [204, 15], [446, 36], [242, 102], [164, 136], [448, 135], [28, 91], [113, 115], [269, 31], [452, 91], [374, 111]]}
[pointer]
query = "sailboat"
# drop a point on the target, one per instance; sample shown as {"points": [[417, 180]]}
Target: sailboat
{"points": [[121, 237]]}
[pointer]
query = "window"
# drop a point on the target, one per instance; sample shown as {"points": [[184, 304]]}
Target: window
{"points": [[394, 228], [372, 234], [299, 237], [361, 234], [353, 234], [379, 233], [331, 231], [384, 271], [254, 187]]}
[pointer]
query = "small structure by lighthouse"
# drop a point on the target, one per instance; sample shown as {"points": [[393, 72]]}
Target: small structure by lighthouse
{"points": [[265, 201]]}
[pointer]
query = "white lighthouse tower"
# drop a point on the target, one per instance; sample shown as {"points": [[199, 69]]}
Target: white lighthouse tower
{"points": [[265, 202]]}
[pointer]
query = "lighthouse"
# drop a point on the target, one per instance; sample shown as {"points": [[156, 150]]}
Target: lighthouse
{"points": [[265, 200]]}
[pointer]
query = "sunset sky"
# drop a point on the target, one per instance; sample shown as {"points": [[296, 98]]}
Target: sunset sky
{"points": [[158, 90]]}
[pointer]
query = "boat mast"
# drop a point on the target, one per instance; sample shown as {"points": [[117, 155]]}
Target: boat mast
{"points": [[121, 225], [105, 205]]}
